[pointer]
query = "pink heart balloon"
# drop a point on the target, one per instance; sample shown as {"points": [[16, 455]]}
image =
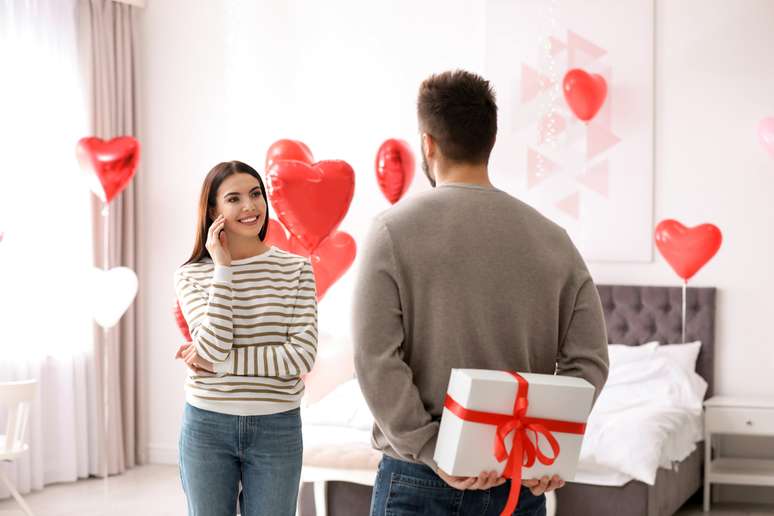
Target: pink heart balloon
{"points": [[335, 365], [766, 134]]}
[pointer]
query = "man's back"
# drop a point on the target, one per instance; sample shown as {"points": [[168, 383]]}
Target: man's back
{"points": [[466, 277]]}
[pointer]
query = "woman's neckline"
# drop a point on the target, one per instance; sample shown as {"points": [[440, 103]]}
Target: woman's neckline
{"points": [[250, 259]]}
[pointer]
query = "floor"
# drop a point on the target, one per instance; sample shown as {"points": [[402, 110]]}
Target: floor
{"points": [[155, 491]]}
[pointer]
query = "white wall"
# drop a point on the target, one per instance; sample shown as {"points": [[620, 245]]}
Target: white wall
{"points": [[714, 82], [222, 81], [232, 78]]}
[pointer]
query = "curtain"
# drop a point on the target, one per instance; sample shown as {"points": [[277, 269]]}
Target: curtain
{"points": [[109, 35], [46, 249]]}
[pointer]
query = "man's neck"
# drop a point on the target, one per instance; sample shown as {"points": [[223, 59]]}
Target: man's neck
{"points": [[477, 175]]}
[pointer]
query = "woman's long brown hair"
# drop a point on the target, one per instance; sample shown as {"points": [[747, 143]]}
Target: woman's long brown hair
{"points": [[207, 200]]}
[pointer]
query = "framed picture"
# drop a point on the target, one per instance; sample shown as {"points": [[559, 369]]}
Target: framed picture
{"points": [[593, 178]]}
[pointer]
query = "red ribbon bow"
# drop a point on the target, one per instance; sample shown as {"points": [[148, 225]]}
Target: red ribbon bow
{"points": [[524, 451]]}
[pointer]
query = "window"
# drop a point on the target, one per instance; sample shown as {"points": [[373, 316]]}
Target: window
{"points": [[44, 202]]}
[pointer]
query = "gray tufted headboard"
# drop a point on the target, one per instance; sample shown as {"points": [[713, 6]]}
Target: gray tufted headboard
{"points": [[636, 315]]}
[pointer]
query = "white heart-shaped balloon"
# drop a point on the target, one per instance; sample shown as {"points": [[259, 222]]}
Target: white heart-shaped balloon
{"points": [[112, 293]]}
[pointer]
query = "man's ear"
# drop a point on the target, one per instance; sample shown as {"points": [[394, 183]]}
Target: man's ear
{"points": [[429, 146]]}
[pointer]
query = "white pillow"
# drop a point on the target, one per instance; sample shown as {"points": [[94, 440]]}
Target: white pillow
{"points": [[621, 353], [685, 355]]}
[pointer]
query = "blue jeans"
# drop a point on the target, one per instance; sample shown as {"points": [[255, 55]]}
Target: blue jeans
{"points": [[218, 452], [406, 489]]}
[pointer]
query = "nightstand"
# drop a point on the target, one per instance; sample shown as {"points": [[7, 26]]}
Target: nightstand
{"points": [[740, 416]]}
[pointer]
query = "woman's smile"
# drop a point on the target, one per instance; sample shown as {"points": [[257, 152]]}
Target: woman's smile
{"points": [[252, 220]]}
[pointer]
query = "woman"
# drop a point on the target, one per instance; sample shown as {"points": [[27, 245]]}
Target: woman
{"points": [[252, 315]]}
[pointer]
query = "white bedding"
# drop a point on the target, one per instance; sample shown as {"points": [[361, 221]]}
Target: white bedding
{"points": [[647, 416]]}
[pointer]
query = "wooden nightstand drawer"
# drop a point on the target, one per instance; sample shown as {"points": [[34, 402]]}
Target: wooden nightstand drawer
{"points": [[739, 420]]}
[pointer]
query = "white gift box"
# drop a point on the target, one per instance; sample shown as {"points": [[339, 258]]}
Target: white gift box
{"points": [[465, 448]]}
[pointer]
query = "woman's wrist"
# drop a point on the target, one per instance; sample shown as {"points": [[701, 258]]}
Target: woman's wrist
{"points": [[222, 259], [222, 273]]}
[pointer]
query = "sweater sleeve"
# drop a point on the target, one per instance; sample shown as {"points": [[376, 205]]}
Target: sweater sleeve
{"points": [[377, 326], [208, 313], [583, 349], [293, 358]]}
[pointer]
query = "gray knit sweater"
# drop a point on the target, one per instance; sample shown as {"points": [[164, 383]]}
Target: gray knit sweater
{"points": [[465, 277]]}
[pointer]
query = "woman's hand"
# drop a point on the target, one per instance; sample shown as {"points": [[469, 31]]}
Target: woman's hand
{"points": [[217, 244], [187, 352]]}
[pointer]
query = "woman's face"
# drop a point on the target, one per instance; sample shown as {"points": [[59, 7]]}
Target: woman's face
{"points": [[240, 201]]}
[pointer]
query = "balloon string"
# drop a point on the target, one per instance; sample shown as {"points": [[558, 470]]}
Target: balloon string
{"points": [[105, 347], [685, 287], [105, 235]]}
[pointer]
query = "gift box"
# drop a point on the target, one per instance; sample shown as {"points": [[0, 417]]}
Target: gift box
{"points": [[523, 425]]}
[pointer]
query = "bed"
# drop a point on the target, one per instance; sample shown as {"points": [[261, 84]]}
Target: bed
{"points": [[340, 466]]}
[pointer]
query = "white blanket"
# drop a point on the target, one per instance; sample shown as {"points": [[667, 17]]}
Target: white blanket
{"points": [[647, 416]]}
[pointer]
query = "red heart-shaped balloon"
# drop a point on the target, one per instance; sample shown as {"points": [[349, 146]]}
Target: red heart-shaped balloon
{"points": [[311, 200], [332, 259], [394, 168], [276, 236], [329, 261], [584, 93], [181, 322], [110, 165], [687, 249], [283, 150]]}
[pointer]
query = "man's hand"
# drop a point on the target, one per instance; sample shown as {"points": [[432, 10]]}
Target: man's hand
{"points": [[187, 352], [543, 485], [486, 480]]}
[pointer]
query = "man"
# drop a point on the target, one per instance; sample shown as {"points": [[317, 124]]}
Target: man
{"points": [[464, 276]]}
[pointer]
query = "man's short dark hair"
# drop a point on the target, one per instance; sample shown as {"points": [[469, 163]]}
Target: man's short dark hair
{"points": [[458, 109]]}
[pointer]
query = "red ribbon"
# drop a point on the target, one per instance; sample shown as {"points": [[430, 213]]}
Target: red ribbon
{"points": [[524, 451]]}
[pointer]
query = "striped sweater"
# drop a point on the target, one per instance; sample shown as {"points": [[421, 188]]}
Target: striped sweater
{"points": [[256, 321]]}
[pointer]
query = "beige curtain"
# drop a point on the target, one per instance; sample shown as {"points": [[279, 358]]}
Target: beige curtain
{"points": [[109, 51]]}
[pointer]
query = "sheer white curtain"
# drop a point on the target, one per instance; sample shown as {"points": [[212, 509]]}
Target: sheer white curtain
{"points": [[45, 329]]}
